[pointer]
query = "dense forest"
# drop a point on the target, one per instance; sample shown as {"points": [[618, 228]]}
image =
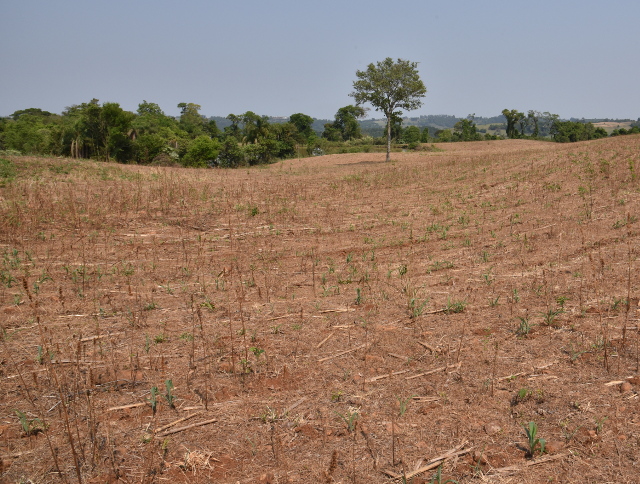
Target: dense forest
{"points": [[105, 131]]}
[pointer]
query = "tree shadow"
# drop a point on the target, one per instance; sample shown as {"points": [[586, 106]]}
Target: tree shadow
{"points": [[363, 163]]}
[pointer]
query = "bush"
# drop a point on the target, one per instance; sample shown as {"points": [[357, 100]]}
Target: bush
{"points": [[231, 155], [201, 152], [165, 159]]}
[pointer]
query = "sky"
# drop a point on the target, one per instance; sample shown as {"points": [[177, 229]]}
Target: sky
{"points": [[575, 58]]}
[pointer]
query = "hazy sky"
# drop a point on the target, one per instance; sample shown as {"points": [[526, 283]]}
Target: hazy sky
{"points": [[575, 58]]}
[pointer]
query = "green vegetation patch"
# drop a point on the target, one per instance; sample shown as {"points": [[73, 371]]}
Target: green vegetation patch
{"points": [[7, 171]]}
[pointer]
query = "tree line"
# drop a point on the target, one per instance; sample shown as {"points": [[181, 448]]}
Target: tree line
{"points": [[105, 131], [546, 125]]}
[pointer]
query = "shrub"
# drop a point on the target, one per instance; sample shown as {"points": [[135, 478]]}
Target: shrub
{"points": [[201, 152]]}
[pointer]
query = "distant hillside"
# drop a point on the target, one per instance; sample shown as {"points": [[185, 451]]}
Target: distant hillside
{"points": [[376, 126], [318, 124]]}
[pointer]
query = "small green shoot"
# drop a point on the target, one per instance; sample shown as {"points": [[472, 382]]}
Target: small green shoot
{"points": [[455, 307], [534, 441], [30, 426], [169, 396], [269, 415], [416, 308], [404, 403], [600, 424], [153, 400], [550, 316], [437, 478], [524, 328], [208, 305], [160, 338], [350, 418], [186, 337]]}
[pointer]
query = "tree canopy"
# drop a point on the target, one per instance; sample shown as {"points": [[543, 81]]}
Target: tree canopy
{"points": [[390, 87], [345, 127]]}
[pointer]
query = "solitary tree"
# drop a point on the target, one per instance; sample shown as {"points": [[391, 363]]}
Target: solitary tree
{"points": [[390, 87], [513, 117]]}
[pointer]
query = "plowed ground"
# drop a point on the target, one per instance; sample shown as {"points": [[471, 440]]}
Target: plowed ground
{"points": [[331, 319]]}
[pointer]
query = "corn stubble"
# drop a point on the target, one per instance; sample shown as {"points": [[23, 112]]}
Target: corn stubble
{"points": [[133, 298]]}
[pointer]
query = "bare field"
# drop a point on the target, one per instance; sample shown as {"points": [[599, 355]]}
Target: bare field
{"points": [[331, 319], [611, 125]]}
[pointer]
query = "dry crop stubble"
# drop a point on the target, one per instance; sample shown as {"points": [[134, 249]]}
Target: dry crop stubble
{"points": [[240, 288]]}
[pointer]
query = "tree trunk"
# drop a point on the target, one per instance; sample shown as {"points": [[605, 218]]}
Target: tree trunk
{"points": [[388, 138]]}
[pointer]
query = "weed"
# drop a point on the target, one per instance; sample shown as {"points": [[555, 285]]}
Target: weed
{"points": [[30, 426], [150, 306], [463, 220], [404, 403], [160, 338], [622, 223], [337, 396], [186, 337], [561, 300], [256, 352], [350, 418], [524, 328], [246, 366], [455, 307], [523, 395], [574, 355], [253, 211], [440, 265], [41, 356], [549, 317], [600, 424], [416, 308], [437, 478], [6, 278], [568, 436], [269, 415], [208, 304], [618, 303]]}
